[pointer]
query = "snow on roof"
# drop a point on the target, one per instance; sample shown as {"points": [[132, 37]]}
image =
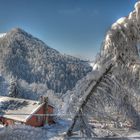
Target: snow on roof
{"points": [[18, 109]]}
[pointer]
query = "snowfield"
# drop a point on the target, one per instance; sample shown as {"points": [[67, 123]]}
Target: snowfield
{"points": [[21, 132]]}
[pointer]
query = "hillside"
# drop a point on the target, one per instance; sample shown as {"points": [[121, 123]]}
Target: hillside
{"points": [[35, 66]]}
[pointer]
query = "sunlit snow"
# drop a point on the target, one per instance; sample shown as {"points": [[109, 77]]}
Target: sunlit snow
{"points": [[2, 35]]}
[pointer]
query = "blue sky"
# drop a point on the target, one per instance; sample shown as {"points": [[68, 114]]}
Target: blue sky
{"points": [[75, 27]]}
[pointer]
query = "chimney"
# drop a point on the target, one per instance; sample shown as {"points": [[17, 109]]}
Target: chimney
{"points": [[43, 99]]}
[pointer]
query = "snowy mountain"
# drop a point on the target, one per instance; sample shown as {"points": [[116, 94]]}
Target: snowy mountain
{"points": [[36, 67]]}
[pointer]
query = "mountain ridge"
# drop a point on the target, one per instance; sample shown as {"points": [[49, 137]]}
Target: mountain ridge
{"points": [[25, 57]]}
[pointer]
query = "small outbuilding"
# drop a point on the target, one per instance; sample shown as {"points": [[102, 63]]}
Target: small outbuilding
{"points": [[23, 111]]}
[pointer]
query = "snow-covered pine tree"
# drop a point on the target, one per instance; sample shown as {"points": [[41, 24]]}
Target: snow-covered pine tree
{"points": [[116, 98], [14, 88]]}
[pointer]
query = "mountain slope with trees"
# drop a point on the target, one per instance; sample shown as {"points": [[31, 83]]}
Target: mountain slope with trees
{"points": [[30, 61]]}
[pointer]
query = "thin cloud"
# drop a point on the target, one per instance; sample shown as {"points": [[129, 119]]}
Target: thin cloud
{"points": [[95, 12], [70, 11]]}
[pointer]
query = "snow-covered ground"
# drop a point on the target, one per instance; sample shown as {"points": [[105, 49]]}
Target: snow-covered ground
{"points": [[58, 132], [22, 132], [134, 136], [1, 126]]}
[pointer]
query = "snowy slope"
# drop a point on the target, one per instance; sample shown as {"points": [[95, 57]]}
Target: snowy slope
{"points": [[37, 67]]}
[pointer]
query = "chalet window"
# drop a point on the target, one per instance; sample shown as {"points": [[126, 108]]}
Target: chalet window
{"points": [[39, 118]]}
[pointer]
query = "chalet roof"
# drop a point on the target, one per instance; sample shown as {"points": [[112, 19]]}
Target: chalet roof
{"points": [[18, 109]]}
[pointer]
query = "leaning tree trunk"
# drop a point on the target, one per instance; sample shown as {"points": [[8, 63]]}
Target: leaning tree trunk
{"points": [[69, 132]]}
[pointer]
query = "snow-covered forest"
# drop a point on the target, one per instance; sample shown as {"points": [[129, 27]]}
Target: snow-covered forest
{"points": [[104, 103], [36, 67], [110, 94]]}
